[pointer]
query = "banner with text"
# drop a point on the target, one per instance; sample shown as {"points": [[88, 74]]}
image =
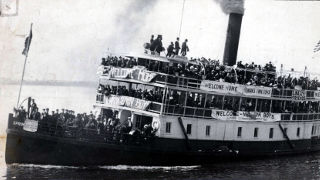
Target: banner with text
{"points": [[120, 72], [245, 115], [222, 115], [141, 74], [126, 101], [257, 91], [30, 125], [137, 73], [260, 115], [223, 87]]}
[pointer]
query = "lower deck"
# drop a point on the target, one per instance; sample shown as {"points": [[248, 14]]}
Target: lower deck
{"points": [[74, 147], [43, 149]]}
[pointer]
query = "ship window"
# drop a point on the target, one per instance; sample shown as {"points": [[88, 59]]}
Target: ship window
{"points": [[271, 133], [236, 103], [228, 102], [182, 97], [207, 130], [195, 99], [214, 101], [209, 99], [138, 121], [248, 104], [189, 126], [239, 131], [168, 127], [276, 106], [298, 132], [231, 103], [256, 131], [288, 106], [143, 62], [263, 105]]}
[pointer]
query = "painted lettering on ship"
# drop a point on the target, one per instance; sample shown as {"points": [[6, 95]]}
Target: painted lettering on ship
{"points": [[17, 123]]}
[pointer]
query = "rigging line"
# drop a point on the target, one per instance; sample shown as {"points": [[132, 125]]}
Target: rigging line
{"points": [[181, 17]]}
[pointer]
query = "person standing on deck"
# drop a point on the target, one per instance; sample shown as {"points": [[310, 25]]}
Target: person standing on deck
{"points": [[127, 126], [33, 108], [170, 50], [184, 48], [157, 45], [177, 46]]}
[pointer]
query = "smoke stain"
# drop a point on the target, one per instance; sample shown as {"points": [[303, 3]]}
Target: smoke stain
{"points": [[129, 23], [231, 6]]}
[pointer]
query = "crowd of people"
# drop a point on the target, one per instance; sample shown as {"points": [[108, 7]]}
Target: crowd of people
{"points": [[155, 45], [119, 62], [66, 122], [208, 69], [149, 95]]}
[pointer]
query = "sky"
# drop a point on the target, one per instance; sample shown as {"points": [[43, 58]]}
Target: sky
{"points": [[71, 36]]}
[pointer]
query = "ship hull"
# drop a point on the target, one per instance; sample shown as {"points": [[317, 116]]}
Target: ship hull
{"points": [[33, 148]]}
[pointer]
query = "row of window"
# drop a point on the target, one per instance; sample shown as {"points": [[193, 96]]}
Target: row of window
{"points": [[271, 131], [239, 133], [189, 128]]}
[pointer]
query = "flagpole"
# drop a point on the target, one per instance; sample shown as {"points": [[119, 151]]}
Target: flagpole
{"points": [[24, 65], [24, 68]]}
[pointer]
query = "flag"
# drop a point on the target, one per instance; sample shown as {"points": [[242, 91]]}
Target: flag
{"points": [[27, 43], [317, 47]]}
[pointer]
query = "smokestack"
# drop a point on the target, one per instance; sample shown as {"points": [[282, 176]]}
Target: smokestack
{"points": [[232, 40]]}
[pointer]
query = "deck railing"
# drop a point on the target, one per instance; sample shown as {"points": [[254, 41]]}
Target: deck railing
{"points": [[194, 83], [197, 112], [187, 111], [300, 116], [201, 112], [106, 134]]}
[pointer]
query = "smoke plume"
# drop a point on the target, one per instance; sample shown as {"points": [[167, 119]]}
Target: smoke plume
{"points": [[231, 6], [129, 23]]}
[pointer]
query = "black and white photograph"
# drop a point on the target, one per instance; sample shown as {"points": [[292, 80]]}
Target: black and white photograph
{"points": [[160, 89]]}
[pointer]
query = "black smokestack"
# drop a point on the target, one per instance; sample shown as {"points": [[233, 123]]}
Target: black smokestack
{"points": [[232, 40]]}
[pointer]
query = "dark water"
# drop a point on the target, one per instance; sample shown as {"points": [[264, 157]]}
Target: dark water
{"points": [[293, 167]]}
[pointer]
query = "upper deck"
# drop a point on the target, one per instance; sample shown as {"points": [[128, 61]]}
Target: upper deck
{"points": [[165, 72], [156, 85]]}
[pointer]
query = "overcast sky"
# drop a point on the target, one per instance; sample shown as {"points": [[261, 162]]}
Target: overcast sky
{"points": [[70, 36]]}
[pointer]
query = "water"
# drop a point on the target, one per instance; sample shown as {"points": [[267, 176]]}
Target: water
{"points": [[81, 99], [299, 167]]}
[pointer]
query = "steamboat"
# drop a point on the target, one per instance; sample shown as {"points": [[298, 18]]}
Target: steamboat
{"points": [[157, 110]]}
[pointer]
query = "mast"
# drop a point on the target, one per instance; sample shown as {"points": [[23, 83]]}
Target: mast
{"points": [[25, 52], [182, 12]]}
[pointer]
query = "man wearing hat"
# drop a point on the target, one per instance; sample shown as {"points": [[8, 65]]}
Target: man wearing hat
{"points": [[37, 115], [127, 126], [33, 108], [177, 46], [152, 39], [170, 50], [157, 45], [184, 48]]}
